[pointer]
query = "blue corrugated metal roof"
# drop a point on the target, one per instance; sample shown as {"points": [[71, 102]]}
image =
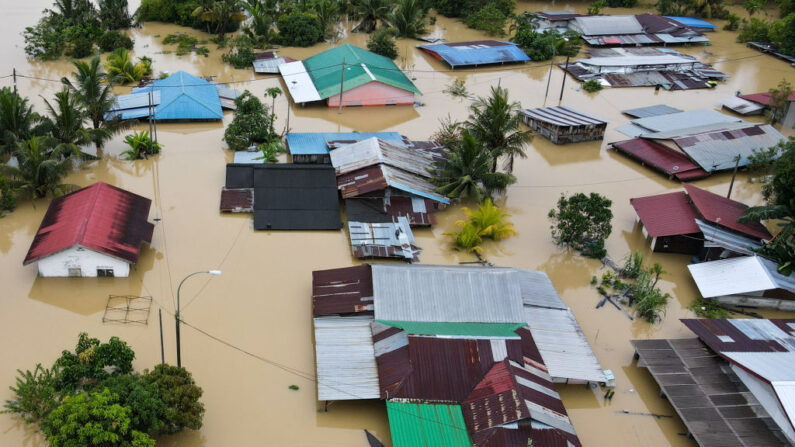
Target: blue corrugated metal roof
{"points": [[316, 143], [693, 22], [186, 97], [477, 53]]}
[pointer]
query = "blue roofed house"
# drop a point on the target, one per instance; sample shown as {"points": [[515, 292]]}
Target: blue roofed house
{"points": [[313, 147], [481, 52], [180, 96], [694, 23]]}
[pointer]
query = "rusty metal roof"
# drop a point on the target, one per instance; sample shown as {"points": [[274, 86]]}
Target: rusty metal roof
{"points": [[668, 214], [237, 200], [100, 217], [746, 335], [382, 240], [379, 177], [374, 151], [342, 291], [345, 359], [660, 158]]}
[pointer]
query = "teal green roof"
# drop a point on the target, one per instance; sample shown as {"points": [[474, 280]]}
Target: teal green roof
{"points": [[325, 69], [426, 425], [502, 330]]}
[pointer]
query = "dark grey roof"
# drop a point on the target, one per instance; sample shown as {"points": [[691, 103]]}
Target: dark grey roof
{"points": [[369, 210], [563, 116], [645, 112]]}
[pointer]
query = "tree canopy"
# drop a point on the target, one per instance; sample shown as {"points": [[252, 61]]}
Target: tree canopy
{"points": [[582, 222]]}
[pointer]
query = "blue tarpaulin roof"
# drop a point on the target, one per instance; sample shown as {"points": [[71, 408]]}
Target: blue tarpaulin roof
{"points": [[316, 143], [481, 52], [693, 22], [186, 97]]}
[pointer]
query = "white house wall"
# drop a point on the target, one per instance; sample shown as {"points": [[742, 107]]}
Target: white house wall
{"points": [[764, 393], [86, 260]]}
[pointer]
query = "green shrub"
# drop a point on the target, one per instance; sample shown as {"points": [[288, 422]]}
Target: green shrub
{"points": [[592, 85], [733, 23], [381, 42], [755, 30], [582, 222], [180, 394], [541, 46], [8, 200], [81, 47], [113, 39], [241, 53], [299, 29], [708, 309], [596, 7], [141, 145], [251, 125], [489, 19], [622, 3]]}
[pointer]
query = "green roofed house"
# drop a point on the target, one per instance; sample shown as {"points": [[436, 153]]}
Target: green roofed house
{"points": [[369, 79], [415, 424]]}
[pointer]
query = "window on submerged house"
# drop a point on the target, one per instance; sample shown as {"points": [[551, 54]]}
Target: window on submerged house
{"points": [[105, 273]]}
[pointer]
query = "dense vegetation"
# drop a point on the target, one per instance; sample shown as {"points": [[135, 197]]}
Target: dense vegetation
{"points": [[486, 222], [582, 222], [636, 285], [707, 9], [92, 397], [488, 16], [381, 42], [252, 124], [780, 33], [72, 27]]}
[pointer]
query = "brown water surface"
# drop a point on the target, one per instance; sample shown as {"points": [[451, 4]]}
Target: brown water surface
{"points": [[262, 304]]}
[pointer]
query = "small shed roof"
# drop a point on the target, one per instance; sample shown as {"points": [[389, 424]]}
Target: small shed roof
{"points": [[715, 236], [374, 151], [317, 143], [725, 212], [447, 294], [645, 112], [666, 214], [185, 97], [345, 290], [603, 25], [563, 116], [345, 359], [763, 97], [100, 217], [421, 424], [660, 158], [741, 106], [382, 240], [718, 150], [693, 22], [741, 275], [481, 52]]}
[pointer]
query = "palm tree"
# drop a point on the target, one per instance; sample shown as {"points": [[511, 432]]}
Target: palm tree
{"points": [[220, 13], [369, 12], [18, 121], [494, 122], [328, 12], [408, 18], [94, 90], [42, 163], [466, 172], [65, 122], [490, 221], [120, 67]]}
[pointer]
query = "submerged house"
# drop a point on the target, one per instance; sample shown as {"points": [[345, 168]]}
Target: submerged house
{"points": [[180, 96], [756, 103], [680, 222], [750, 281], [95, 231], [283, 196], [561, 124], [441, 359], [475, 53], [634, 30], [268, 62], [369, 79], [314, 147], [733, 384]]}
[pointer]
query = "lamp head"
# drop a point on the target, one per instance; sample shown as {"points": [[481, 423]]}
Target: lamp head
{"points": [[214, 272]]}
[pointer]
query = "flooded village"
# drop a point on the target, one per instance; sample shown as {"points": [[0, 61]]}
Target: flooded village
{"points": [[316, 292]]}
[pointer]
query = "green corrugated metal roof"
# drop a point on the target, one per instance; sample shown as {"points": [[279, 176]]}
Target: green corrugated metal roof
{"points": [[426, 425], [502, 330], [325, 70]]}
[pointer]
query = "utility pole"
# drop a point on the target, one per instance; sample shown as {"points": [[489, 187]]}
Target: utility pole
{"points": [[565, 73], [342, 80], [15, 79], [162, 350], [551, 61], [731, 185], [151, 134]]}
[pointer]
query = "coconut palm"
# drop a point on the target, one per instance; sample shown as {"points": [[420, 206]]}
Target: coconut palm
{"points": [[466, 172], [328, 13], [17, 120], [494, 122], [65, 122], [220, 13], [408, 18], [94, 90], [41, 164], [369, 12], [120, 67], [141, 145]]}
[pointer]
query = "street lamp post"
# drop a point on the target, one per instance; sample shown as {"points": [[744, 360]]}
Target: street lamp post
{"points": [[176, 314]]}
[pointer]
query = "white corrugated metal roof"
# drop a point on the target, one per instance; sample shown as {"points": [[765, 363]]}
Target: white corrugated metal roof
{"points": [[684, 120], [538, 290], [770, 366], [268, 65], [298, 82], [718, 150], [372, 151], [633, 61], [346, 367], [563, 116], [740, 275], [447, 294], [645, 112], [718, 237], [606, 25], [741, 106], [786, 396]]}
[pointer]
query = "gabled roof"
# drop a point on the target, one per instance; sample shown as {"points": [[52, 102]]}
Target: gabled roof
{"points": [[606, 25], [718, 149], [317, 143], [724, 212], [374, 151], [741, 275], [361, 67], [381, 176], [563, 116], [660, 158], [677, 122], [693, 22], [101, 217], [763, 97], [185, 97], [481, 52], [645, 112], [668, 214]]}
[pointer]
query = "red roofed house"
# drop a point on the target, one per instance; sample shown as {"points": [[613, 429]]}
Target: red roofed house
{"points": [[788, 119], [95, 231], [675, 222]]}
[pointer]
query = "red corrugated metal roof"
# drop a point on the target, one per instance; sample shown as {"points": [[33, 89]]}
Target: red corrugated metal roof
{"points": [[100, 217], [343, 290], [494, 401], [763, 98], [709, 332], [237, 200], [404, 206], [661, 158], [724, 212], [666, 214]]}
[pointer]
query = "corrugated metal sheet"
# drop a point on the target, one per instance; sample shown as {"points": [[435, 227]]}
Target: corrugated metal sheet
{"points": [[763, 98], [742, 275], [461, 330], [718, 150], [563, 116], [373, 151], [382, 240], [724, 212], [635, 61], [317, 143], [237, 200], [717, 237], [668, 214], [772, 367], [135, 105], [744, 335], [298, 82], [227, 96], [447, 294], [660, 158], [246, 157], [420, 212], [675, 122], [100, 217], [693, 22], [345, 359], [538, 290], [342, 291], [742, 106], [417, 424], [185, 97], [462, 54], [645, 112], [602, 25], [270, 66], [377, 178], [668, 38]]}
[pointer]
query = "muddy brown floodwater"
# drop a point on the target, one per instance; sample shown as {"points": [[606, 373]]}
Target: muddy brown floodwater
{"points": [[262, 303]]}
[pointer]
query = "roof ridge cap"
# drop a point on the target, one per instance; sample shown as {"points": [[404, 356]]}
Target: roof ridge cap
{"points": [[81, 234]]}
